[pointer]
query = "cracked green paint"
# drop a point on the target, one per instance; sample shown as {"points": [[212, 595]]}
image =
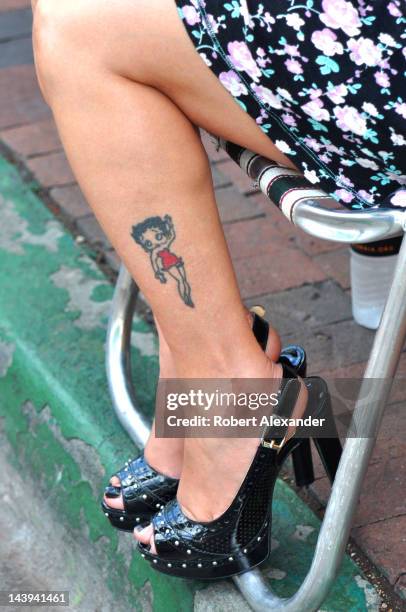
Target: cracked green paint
{"points": [[14, 231], [82, 291], [56, 412], [6, 358]]}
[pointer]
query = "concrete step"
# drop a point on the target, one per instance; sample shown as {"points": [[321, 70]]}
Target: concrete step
{"points": [[39, 553]]}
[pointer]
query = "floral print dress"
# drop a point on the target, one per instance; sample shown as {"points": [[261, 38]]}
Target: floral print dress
{"points": [[325, 79]]}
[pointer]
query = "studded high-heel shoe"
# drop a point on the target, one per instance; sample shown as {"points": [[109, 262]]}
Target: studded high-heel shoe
{"points": [[239, 539], [145, 490]]}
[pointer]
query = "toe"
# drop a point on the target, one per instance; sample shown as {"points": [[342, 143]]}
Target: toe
{"points": [[112, 492], [114, 502], [145, 535], [115, 481], [152, 547], [273, 345]]}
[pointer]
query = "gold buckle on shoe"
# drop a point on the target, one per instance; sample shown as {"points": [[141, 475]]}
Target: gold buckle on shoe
{"points": [[273, 444], [258, 310]]}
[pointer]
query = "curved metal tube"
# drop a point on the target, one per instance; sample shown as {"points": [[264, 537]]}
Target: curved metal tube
{"points": [[349, 226], [118, 359], [333, 536]]}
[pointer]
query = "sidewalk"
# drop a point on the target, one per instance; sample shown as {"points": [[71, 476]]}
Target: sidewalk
{"points": [[303, 282]]}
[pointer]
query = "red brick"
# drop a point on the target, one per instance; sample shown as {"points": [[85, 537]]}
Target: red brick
{"points": [[281, 227], [391, 441], [12, 5], [385, 544], [16, 52], [71, 200], [356, 370], [28, 140], [278, 269], [280, 223], [219, 180], [353, 370], [382, 495], [315, 246], [398, 392], [15, 26], [313, 306], [336, 265], [20, 99], [239, 178], [309, 244], [89, 227], [233, 206], [51, 170], [334, 345], [253, 237], [214, 155]]}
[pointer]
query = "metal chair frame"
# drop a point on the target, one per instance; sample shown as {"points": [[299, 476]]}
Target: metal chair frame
{"points": [[317, 214]]}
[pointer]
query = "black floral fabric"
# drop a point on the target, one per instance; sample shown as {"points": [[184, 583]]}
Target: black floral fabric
{"points": [[324, 79]]}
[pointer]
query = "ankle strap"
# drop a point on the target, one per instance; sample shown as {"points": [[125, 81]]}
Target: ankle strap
{"points": [[274, 436]]}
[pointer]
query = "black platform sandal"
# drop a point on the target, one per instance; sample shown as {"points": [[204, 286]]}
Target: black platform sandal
{"points": [[239, 539], [144, 492], [144, 489]]}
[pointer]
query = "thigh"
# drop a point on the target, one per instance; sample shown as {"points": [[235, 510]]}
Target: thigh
{"points": [[171, 64], [145, 40]]}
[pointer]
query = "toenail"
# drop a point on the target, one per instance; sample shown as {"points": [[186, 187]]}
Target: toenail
{"points": [[112, 492]]}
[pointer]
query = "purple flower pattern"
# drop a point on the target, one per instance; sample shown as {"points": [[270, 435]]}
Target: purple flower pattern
{"points": [[325, 79]]}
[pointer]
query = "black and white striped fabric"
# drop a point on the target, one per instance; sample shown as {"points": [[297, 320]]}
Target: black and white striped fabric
{"points": [[285, 187]]}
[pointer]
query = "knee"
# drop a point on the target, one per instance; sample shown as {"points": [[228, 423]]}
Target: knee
{"points": [[58, 38]]}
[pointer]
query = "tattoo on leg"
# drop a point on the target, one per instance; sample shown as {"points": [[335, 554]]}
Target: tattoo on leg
{"points": [[155, 235]]}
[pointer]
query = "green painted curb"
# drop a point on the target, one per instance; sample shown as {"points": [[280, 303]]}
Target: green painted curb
{"points": [[56, 412]]}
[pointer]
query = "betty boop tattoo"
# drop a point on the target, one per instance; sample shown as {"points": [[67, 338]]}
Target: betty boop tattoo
{"points": [[156, 235]]}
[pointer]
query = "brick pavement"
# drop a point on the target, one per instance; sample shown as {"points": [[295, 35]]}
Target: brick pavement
{"points": [[303, 282]]}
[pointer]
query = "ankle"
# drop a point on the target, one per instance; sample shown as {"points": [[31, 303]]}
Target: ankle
{"points": [[166, 361], [164, 454], [236, 361]]}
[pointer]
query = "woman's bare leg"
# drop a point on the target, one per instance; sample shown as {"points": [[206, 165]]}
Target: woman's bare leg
{"points": [[126, 88]]}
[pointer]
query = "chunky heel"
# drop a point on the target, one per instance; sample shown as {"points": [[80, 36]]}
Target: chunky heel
{"points": [[329, 450], [303, 464]]}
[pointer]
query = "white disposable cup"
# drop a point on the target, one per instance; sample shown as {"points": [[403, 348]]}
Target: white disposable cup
{"points": [[371, 278]]}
